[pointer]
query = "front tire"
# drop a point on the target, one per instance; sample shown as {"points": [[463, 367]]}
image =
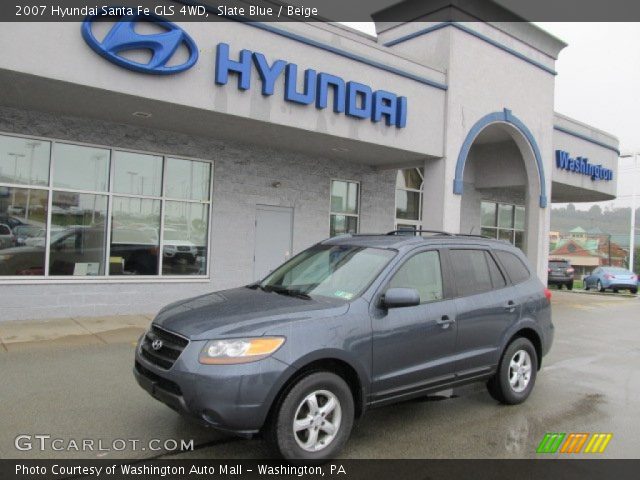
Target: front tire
{"points": [[314, 420], [516, 375], [601, 289]]}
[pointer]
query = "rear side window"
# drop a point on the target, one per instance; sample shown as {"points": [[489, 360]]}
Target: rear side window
{"points": [[421, 272], [496, 275], [517, 271], [470, 271]]}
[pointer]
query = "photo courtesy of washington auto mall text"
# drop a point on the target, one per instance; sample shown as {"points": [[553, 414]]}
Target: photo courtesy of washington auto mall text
{"points": [[360, 239]]}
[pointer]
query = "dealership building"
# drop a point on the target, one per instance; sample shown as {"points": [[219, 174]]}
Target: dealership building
{"points": [[144, 162]]}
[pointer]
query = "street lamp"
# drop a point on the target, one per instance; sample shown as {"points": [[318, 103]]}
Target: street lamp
{"points": [[633, 207]]}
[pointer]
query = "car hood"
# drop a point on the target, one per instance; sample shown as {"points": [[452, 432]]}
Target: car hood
{"points": [[22, 249], [242, 311], [179, 243]]}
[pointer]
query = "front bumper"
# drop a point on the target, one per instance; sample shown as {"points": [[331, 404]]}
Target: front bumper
{"points": [[232, 398]]}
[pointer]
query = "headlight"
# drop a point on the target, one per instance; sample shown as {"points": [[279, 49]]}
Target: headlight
{"points": [[239, 350]]}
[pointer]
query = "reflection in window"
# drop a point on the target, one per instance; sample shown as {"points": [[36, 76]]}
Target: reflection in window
{"points": [[135, 239], [137, 174], [81, 168], [23, 226], [344, 207], [78, 234], [24, 161], [187, 179], [186, 226], [503, 221], [69, 201], [409, 187], [422, 273]]}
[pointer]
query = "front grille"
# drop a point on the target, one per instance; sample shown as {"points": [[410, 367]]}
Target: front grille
{"points": [[168, 353], [163, 383]]}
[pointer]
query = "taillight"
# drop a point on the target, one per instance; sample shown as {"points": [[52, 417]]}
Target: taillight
{"points": [[547, 293], [633, 277], [548, 270], [608, 276], [570, 270]]}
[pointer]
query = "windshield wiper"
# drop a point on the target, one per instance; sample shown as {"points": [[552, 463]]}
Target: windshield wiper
{"points": [[292, 292]]}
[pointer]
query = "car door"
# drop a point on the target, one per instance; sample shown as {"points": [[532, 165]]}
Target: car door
{"points": [[413, 346], [486, 304]]}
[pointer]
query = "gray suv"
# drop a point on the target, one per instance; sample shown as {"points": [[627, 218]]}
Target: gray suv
{"points": [[352, 323]]}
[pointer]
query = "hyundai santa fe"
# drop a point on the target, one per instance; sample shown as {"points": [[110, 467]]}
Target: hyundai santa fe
{"points": [[352, 323]]}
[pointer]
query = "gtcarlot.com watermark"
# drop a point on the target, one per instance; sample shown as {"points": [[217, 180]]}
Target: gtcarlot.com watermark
{"points": [[45, 442]]}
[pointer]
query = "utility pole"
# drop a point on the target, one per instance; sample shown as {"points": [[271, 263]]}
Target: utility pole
{"points": [[632, 231]]}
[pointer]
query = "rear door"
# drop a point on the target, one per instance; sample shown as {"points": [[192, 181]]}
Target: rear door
{"points": [[413, 347], [486, 304]]}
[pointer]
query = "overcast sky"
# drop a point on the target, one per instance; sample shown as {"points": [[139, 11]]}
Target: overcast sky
{"points": [[598, 82]]}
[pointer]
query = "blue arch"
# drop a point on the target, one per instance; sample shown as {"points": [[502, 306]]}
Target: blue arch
{"points": [[506, 117]]}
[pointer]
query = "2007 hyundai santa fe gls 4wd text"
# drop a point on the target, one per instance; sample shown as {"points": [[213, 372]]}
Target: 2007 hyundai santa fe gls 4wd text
{"points": [[354, 322]]}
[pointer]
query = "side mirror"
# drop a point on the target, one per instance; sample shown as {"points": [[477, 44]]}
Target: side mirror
{"points": [[400, 297]]}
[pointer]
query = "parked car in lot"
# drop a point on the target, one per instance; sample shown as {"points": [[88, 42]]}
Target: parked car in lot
{"points": [[10, 221], [613, 278], [24, 232], [7, 238], [352, 323], [559, 273]]}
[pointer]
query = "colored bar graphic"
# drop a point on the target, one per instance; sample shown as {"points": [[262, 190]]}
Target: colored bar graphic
{"points": [[574, 442], [550, 443]]}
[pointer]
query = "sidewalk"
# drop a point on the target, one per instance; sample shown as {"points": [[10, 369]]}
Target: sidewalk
{"points": [[74, 331]]}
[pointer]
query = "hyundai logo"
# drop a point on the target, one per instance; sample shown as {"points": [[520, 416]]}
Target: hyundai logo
{"points": [[156, 344], [122, 38]]}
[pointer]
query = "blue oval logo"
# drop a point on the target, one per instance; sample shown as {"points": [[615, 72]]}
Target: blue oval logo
{"points": [[122, 38]]}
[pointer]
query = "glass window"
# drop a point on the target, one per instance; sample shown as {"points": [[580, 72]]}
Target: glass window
{"points": [[422, 273], [496, 275], [519, 218], [505, 215], [341, 224], [342, 272], [137, 174], [78, 234], [135, 239], [470, 271], [344, 207], [503, 221], [24, 161], [81, 168], [185, 238], [344, 197], [488, 214], [69, 201], [23, 226], [187, 179], [407, 205], [410, 178], [516, 269]]}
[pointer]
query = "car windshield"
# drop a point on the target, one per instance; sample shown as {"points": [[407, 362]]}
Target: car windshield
{"points": [[336, 271]]}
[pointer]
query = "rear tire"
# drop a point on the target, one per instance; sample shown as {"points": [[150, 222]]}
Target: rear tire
{"points": [[633, 291], [601, 289], [321, 407], [570, 286], [586, 285], [513, 382]]}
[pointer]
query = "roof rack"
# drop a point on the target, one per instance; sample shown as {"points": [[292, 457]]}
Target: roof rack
{"points": [[436, 232], [407, 231]]}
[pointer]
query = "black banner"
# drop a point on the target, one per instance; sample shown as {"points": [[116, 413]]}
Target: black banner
{"points": [[345, 469], [384, 11]]}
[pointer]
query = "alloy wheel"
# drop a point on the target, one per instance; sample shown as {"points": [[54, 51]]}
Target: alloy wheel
{"points": [[520, 371], [317, 420]]}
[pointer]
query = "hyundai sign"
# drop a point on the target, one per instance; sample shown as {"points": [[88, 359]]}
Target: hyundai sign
{"points": [[351, 98]]}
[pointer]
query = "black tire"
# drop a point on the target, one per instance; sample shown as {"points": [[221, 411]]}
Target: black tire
{"points": [[586, 285], [633, 291], [615, 290], [599, 286], [499, 386], [570, 286], [280, 432]]}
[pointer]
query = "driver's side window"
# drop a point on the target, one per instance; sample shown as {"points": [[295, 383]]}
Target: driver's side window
{"points": [[421, 272]]}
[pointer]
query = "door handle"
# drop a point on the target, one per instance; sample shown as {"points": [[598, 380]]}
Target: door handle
{"points": [[445, 321], [511, 306]]}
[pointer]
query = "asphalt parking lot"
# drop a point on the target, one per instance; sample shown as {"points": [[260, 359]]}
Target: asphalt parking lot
{"points": [[590, 382]]}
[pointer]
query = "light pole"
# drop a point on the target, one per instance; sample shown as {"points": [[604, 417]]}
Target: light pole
{"points": [[632, 231]]}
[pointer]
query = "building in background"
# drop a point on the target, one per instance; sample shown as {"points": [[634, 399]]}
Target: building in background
{"points": [[143, 182]]}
